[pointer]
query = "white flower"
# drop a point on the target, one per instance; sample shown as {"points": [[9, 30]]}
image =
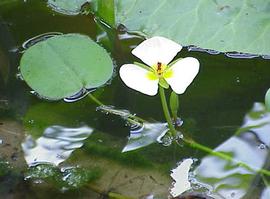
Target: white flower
{"points": [[158, 52]]}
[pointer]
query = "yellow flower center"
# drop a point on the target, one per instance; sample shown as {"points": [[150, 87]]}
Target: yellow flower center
{"points": [[159, 71]]}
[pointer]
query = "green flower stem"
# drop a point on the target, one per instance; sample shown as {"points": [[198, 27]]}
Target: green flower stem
{"points": [[188, 141], [92, 97], [105, 10], [131, 118], [166, 111], [224, 156]]}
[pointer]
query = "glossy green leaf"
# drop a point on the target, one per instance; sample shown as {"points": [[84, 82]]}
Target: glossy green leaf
{"points": [[235, 25], [174, 104], [105, 11], [61, 66], [69, 7], [267, 100]]}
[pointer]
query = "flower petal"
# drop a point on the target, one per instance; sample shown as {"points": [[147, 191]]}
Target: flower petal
{"points": [[138, 79], [156, 49], [182, 74]]}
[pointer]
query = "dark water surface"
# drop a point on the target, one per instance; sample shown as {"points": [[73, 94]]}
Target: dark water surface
{"points": [[219, 110]]}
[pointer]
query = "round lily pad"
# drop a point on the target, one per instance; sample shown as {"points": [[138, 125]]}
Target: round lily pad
{"points": [[69, 7], [62, 65]]}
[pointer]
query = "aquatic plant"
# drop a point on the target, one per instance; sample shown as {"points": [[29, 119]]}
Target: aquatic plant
{"points": [[157, 53]]}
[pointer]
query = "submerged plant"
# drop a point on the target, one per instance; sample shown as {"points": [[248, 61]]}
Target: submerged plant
{"points": [[157, 52]]}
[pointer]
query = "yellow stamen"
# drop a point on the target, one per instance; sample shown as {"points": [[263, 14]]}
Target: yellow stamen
{"points": [[159, 71]]}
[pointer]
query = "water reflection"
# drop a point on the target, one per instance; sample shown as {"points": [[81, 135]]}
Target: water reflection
{"points": [[80, 95], [42, 37], [55, 146], [142, 133], [198, 49], [145, 134], [266, 193], [107, 109], [228, 179], [236, 55]]}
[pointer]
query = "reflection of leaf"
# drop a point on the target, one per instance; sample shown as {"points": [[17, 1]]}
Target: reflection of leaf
{"points": [[250, 147], [239, 25], [45, 114], [62, 65], [144, 135], [180, 176], [266, 193], [55, 146]]}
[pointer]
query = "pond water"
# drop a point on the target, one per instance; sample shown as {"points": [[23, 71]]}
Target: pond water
{"points": [[221, 109]]}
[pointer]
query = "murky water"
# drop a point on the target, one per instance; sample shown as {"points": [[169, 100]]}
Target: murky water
{"points": [[219, 110]]}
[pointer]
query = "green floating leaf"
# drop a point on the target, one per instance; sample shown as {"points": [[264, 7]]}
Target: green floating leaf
{"points": [[174, 104], [239, 25], [69, 7], [105, 10], [267, 100], [61, 66]]}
